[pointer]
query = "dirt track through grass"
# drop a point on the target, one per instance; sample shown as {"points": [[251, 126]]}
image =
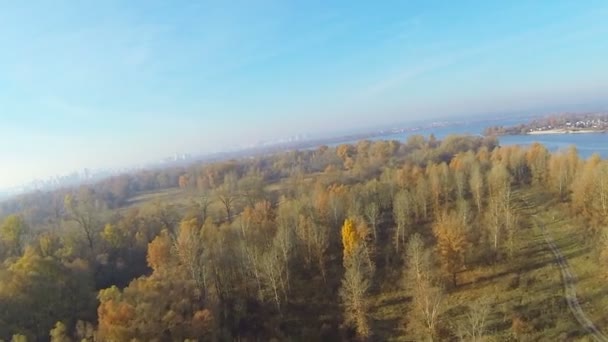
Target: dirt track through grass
{"points": [[569, 283]]}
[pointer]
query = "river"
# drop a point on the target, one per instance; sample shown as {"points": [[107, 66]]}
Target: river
{"points": [[587, 143]]}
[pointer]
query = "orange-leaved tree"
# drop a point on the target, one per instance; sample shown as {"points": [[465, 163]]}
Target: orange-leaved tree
{"points": [[452, 244]]}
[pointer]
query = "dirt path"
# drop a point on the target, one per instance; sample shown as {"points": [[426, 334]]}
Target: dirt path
{"points": [[569, 281]]}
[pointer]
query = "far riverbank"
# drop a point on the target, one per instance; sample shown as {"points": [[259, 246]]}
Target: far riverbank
{"points": [[565, 131]]}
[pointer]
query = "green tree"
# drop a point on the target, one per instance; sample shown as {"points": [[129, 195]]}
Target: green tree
{"points": [[12, 234], [36, 291], [59, 333]]}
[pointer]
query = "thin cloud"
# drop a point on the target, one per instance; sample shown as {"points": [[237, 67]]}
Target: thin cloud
{"points": [[536, 38]]}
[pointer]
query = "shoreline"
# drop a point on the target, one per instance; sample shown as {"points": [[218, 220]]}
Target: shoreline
{"points": [[564, 131]]}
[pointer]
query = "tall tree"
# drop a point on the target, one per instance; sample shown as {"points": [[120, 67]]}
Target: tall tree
{"points": [[427, 297], [85, 209], [372, 214], [287, 226], [13, 231], [474, 326], [499, 204], [251, 187], [273, 272], [227, 194], [356, 281], [422, 195], [537, 157], [452, 244], [476, 184], [402, 213], [189, 249]]}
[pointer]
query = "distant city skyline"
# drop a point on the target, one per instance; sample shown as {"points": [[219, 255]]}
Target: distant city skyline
{"points": [[115, 84]]}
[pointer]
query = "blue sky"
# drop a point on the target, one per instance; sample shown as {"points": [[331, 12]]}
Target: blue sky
{"points": [[117, 83]]}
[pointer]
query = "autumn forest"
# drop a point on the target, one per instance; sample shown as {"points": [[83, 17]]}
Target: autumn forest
{"points": [[380, 240]]}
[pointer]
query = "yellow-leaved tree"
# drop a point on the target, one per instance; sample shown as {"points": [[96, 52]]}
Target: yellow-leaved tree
{"points": [[357, 278], [165, 304], [350, 238]]}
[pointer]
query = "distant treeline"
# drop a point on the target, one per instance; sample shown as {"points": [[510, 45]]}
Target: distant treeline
{"points": [[115, 191]]}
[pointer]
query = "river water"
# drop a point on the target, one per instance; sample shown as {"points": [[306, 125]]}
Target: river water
{"points": [[587, 143]]}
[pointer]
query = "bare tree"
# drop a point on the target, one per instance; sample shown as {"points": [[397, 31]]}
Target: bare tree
{"points": [[204, 203], [476, 185], [422, 198], [474, 326], [511, 227], [251, 187], [417, 259], [604, 249], [428, 300], [166, 215], [427, 296], [602, 189], [227, 194], [85, 209], [402, 212], [272, 271], [319, 238], [337, 204], [251, 251], [372, 214], [285, 238], [499, 204]]}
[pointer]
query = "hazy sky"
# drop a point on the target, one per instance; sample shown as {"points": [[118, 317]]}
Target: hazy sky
{"points": [[109, 83]]}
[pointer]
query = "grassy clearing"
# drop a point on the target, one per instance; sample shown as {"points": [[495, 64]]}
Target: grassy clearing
{"points": [[528, 287], [179, 198], [173, 196], [592, 289], [182, 198]]}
